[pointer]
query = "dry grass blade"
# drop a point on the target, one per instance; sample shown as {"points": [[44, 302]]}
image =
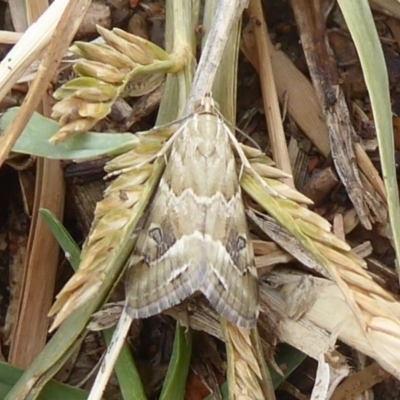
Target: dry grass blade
{"points": [[40, 266], [270, 97], [29, 46]]}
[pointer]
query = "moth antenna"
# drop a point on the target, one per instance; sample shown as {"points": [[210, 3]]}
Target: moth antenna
{"points": [[215, 107], [248, 137], [128, 169], [243, 133], [246, 163], [111, 356], [241, 172], [239, 150], [160, 153]]}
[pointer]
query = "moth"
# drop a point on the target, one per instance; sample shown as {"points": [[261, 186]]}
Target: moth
{"points": [[195, 238]]}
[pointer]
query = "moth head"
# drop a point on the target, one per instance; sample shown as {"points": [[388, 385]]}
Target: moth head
{"points": [[207, 105]]}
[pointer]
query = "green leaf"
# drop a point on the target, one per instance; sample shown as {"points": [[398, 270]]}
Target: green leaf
{"points": [[63, 238], [34, 140], [9, 375], [127, 374], [178, 368]]}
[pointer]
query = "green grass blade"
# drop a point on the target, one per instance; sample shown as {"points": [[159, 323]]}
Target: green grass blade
{"points": [[63, 238], [127, 374], [362, 28], [9, 375], [178, 368], [34, 140]]}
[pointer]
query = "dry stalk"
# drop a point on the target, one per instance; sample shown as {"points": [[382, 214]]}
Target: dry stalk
{"points": [[269, 92]]}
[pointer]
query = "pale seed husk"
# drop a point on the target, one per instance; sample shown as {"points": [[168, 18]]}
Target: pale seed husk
{"points": [[149, 48], [95, 111], [73, 128], [266, 171], [99, 70], [130, 179], [303, 213], [123, 199], [133, 51], [339, 257], [68, 106], [103, 53], [287, 192], [252, 152], [100, 94], [322, 235], [84, 83]]}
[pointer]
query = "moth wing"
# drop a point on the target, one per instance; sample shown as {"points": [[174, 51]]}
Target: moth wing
{"points": [[196, 237], [153, 289], [169, 270], [231, 285]]}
